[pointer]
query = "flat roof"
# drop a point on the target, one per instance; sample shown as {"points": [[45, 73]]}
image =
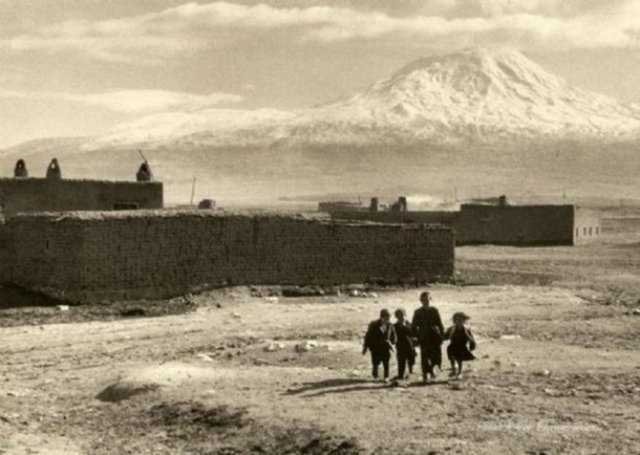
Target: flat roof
{"points": [[65, 180], [169, 213], [518, 206]]}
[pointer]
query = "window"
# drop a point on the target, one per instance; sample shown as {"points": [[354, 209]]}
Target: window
{"points": [[584, 231], [126, 206], [597, 230], [590, 231], [577, 232]]}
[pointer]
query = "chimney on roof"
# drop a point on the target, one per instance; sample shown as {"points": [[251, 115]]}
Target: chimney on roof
{"points": [[20, 171], [402, 202], [53, 170], [373, 206]]}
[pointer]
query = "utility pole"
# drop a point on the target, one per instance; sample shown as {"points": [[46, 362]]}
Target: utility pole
{"points": [[193, 189]]}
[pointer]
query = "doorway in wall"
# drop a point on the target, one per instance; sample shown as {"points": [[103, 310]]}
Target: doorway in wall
{"points": [[126, 206]]}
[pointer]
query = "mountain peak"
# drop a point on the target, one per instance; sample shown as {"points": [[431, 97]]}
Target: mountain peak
{"points": [[478, 56], [484, 95], [474, 71], [471, 96]]}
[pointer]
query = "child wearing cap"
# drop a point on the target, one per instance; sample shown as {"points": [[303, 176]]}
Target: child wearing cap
{"points": [[379, 340], [405, 350], [461, 343]]}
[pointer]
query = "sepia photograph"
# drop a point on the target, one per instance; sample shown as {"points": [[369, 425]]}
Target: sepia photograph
{"points": [[309, 227]]}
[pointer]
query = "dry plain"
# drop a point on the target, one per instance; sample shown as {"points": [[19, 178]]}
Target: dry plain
{"points": [[558, 368]]}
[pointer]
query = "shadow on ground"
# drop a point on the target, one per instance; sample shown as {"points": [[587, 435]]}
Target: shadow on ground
{"points": [[347, 385]]}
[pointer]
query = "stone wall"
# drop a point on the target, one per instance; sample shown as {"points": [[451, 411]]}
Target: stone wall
{"points": [[145, 254], [49, 195]]}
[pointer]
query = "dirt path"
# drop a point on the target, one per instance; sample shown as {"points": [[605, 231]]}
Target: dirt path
{"points": [[566, 382]]}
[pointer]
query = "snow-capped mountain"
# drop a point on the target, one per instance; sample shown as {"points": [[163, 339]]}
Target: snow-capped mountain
{"points": [[486, 121], [475, 95]]}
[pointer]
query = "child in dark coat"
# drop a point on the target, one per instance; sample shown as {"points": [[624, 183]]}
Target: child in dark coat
{"points": [[428, 328], [461, 343], [379, 339], [405, 350]]}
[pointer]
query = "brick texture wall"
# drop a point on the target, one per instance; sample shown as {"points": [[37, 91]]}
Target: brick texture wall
{"points": [[427, 217], [129, 255], [5, 261], [41, 194], [515, 225]]}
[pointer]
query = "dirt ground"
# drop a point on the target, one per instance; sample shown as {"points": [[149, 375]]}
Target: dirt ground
{"points": [[558, 369]]}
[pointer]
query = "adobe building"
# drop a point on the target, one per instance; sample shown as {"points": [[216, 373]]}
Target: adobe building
{"points": [[526, 225], [331, 206], [52, 195], [498, 224], [23, 194]]}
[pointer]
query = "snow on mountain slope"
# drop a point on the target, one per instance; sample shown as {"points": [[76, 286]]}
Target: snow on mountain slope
{"points": [[475, 95], [223, 124]]}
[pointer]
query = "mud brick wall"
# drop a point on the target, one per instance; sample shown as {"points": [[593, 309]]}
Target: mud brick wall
{"points": [[49, 195], [145, 254], [4, 251], [41, 255], [516, 225], [446, 218], [500, 225]]}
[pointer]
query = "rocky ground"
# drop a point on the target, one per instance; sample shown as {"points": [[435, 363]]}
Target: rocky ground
{"points": [[241, 372]]}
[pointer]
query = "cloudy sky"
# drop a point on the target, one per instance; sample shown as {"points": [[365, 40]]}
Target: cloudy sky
{"points": [[78, 67]]}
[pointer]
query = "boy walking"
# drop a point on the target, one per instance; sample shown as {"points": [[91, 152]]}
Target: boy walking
{"points": [[427, 326], [405, 351], [379, 340]]}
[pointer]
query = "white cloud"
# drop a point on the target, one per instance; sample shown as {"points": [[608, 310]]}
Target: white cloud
{"points": [[190, 27], [131, 101]]}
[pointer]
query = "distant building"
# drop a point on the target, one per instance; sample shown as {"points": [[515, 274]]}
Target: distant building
{"points": [[207, 204], [23, 194], [333, 206], [497, 222], [526, 225]]}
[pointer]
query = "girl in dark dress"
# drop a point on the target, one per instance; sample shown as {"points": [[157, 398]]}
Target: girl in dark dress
{"points": [[461, 343]]}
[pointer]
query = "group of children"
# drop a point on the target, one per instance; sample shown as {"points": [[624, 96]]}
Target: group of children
{"points": [[427, 332]]}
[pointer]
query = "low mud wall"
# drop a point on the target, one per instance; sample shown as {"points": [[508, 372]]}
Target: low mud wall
{"points": [[94, 256]]}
